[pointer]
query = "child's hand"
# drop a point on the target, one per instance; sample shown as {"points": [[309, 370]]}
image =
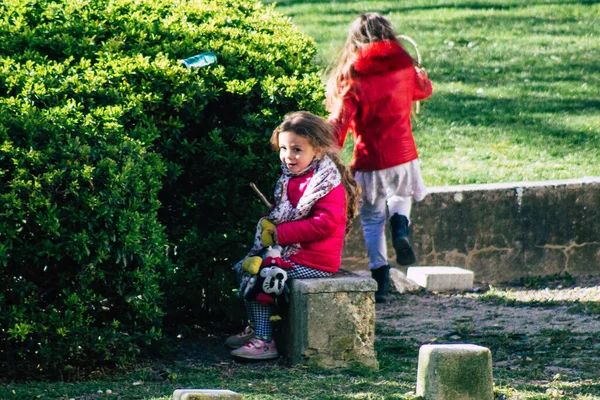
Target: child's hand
{"points": [[422, 77], [269, 233]]}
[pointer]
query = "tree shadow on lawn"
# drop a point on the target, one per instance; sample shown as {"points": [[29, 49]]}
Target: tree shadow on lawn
{"points": [[403, 10], [513, 27], [476, 5], [513, 114]]}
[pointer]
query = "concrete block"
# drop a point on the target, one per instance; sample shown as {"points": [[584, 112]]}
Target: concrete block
{"points": [[455, 371], [205, 394], [330, 322], [440, 279]]}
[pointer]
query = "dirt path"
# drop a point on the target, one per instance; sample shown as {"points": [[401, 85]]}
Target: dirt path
{"points": [[549, 330], [427, 316]]}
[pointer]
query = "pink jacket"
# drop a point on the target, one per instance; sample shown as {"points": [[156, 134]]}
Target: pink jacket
{"points": [[321, 234], [378, 105]]}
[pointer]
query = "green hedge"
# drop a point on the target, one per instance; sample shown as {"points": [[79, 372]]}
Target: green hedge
{"points": [[124, 195], [82, 254]]}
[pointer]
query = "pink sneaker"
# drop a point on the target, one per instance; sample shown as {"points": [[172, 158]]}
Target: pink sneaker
{"points": [[257, 349], [237, 341]]}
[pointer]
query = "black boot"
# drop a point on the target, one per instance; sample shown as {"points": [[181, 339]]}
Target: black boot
{"points": [[404, 252], [382, 277]]}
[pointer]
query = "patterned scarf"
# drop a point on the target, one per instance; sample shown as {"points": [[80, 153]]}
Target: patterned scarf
{"points": [[325, 178]]}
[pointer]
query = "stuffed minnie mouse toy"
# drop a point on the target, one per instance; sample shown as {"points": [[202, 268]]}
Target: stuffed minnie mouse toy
{"points": [[269, 276]]}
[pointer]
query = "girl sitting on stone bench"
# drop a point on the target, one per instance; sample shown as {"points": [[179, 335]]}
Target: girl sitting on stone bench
{"points": [[315, 199]]}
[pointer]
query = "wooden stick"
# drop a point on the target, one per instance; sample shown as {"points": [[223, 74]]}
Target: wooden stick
{"points": [[262, 196]]}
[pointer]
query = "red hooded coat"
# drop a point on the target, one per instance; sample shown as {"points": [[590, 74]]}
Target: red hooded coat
{"points": [[321, 234], [377, 107]]}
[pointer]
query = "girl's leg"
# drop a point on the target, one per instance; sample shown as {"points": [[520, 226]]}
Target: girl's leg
{"points": [[262, 319], [260, 314], [372, 218], [304, 272], [400, 205], [399, 221], [262, 347]]}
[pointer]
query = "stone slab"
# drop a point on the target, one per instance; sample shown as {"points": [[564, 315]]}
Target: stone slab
{"points": [[340, 282], [440, 279], [455, 371], [205, 394]]}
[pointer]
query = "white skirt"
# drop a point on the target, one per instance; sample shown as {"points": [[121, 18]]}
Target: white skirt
{"points": [[403, 180]]}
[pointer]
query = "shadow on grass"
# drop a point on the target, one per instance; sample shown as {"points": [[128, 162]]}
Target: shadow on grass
{"points": [[534, 24], [475, 5], [525, 113]]}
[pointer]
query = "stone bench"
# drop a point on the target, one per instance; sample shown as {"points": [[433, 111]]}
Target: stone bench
{"points": [[330, 322]]}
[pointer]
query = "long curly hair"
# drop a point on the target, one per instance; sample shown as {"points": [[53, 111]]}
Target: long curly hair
{"points": [[320, 134], [366, 29]]}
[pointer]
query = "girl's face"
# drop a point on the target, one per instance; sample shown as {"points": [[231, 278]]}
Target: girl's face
{"points": [[295, 151]]}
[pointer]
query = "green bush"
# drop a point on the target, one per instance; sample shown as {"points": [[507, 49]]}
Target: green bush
{"points": [[106, 140], [81, 250]]}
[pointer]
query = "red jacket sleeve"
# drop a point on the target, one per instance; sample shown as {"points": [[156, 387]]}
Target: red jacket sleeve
{"points": [[325, 217], [343, 116], [423, 88]]}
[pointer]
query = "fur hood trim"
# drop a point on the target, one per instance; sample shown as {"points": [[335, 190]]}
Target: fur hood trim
{"points": [[380, 57]]}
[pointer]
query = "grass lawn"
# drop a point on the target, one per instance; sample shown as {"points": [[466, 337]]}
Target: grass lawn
{"points": [[516, 82]]}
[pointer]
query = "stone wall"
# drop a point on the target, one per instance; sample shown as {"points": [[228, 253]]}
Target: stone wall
{"points": [[502, 232]]}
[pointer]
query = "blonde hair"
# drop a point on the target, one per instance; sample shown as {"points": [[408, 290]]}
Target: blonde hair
{"points": [[320, 134], [367, 28]]}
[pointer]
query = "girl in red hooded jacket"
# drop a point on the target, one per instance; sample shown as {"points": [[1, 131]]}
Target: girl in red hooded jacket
{"points": [[371, 92], [314, 198]]}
